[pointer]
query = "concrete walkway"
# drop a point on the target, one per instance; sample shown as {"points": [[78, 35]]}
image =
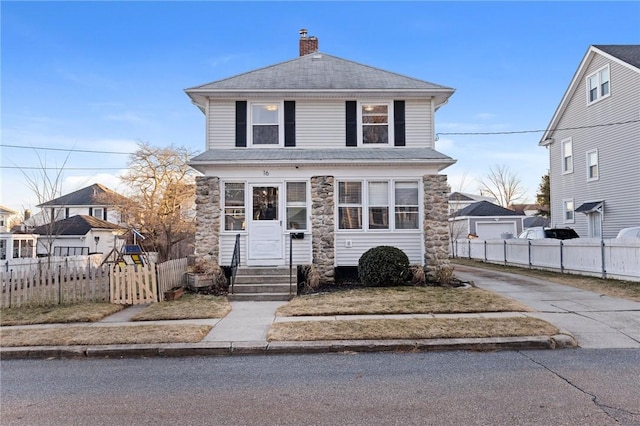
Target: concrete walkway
{"points": [[247, 322], [595, 320]]}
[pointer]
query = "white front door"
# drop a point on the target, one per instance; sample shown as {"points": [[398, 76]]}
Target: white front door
{"points": [[265, 226]]}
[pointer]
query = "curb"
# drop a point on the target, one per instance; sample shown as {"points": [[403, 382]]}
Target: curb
{"points": [[166, 350]]}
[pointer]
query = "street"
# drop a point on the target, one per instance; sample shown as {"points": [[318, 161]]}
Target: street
{"points": [[553, 387]]}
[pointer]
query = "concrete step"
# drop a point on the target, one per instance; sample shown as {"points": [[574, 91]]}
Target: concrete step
{"points": [[264, 270], [263, 288], [259, 297], [264, 279]]}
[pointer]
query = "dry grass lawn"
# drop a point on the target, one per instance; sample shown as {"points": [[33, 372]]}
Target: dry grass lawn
{"points": [[614, 288], [92, 335], [79, 312], [400, 300], [189, 306], [373, 329]]}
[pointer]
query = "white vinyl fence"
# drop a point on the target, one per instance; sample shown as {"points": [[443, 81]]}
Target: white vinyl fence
{"points": [[38, 264], [611, 258]]}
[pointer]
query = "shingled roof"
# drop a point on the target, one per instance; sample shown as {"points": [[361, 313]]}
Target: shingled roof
{"points": [[74, 225], [485, 208], [629, 53], [82, 197]]}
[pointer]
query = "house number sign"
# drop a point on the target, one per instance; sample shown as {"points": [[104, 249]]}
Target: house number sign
{"points": [[265, 173]]}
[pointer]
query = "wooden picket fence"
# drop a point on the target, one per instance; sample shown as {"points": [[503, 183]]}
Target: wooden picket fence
{"points": [[133, 284], [54, 286], [130, 284]]}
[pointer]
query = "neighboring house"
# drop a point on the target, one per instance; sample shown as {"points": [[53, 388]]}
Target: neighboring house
{"points": [[88, 201], [337, 153], [594, 145], [531, 211], [78, 235], [460, 200], [14, 244], [486, 221]]}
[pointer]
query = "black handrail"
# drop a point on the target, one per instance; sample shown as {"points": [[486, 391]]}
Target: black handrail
{"points": [[290, 262], [235, 261]]}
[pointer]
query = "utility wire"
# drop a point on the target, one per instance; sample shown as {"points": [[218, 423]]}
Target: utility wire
{"points": [[66, 149], [533, 131]]}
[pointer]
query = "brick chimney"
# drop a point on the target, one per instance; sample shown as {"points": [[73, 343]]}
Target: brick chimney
{"points": [[307, 44]]}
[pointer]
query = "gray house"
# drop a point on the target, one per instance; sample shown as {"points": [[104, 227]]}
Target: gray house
{"points": [[337, 153], [594, 145], [486, 221]]}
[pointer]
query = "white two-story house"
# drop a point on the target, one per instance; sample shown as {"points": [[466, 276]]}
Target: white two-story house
{"points": [[594, 145], [339, 154]]}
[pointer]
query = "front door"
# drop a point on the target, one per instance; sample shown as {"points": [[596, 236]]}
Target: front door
{"points": [[265, 226]]}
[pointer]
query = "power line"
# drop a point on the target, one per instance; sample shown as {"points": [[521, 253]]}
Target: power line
{"points": [[533, 131], [66, 149]]}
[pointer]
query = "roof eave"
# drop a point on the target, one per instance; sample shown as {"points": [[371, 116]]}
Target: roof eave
{"points": [[202, 165]]}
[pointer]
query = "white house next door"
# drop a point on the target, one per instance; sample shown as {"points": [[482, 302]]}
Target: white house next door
{"points": [[265, 226]]}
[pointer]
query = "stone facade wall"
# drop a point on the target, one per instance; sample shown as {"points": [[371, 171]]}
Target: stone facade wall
{"points": [[436, 228], [208, 216], [322, 225]]}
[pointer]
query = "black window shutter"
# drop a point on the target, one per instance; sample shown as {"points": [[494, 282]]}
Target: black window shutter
{"points": [[352, 123], [289, 123], [241, 123], [104, 214], [90, 211], [398, 123]]}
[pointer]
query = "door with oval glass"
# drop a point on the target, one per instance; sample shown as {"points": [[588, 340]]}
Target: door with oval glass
{"points": [[265, 226]]}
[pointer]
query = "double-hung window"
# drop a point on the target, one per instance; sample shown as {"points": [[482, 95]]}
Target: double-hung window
{"points": [[568, 208], [98, 212], [598, 85], [378, 205], [406, 205], [567, 156], [350, 205], [375, 120], [234, 207], [266, 124], [296, 206], [593, 171]]}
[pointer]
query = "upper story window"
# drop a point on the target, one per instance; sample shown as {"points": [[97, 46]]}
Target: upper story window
{"points": [[568, 208], [98, 212], [598, 85], [266, 124], [593, 172], [375, 123], [567, 156]]}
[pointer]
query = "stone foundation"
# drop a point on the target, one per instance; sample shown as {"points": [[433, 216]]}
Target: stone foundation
{"points": [[435, 224], [208, 216], [323, 226]]}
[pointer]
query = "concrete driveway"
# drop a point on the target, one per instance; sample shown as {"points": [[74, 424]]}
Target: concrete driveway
{"points": [[595, 320]]}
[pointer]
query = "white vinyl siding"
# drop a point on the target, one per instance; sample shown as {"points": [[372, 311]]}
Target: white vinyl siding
{"points": [[301, 249], [418, 124], [221, 124], [350, 246], [320, 124], [618, 151]]}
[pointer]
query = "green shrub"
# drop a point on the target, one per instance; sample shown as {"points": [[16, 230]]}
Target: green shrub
{"points": [[383, 266]]}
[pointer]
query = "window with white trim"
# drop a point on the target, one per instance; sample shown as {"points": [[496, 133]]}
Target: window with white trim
{"points": [[593, 172], [598, 85], [98, 212], [567, 156], [378, 205], [350, 205], [375, 123], [296, 206], [266, 120], [406, 205], [568, 209], [234, 207], [390, 205]]}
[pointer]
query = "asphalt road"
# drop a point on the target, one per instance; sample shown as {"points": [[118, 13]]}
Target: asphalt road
{"points": [[559, 387]]}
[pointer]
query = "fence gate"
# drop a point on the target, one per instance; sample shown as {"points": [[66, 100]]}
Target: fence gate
{"points": [[133, 284]]}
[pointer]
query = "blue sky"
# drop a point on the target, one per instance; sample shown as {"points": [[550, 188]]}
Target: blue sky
{"points": [[104, 75]]}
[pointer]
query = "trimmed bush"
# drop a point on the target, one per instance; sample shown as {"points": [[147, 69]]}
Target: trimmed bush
{"points": [[383, 266]]}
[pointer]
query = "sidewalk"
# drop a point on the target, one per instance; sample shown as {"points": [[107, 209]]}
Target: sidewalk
{"points": [[595, 321]]}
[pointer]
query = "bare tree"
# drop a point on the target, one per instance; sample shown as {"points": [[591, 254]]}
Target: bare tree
{"points": [[161, 201], [46, 184], [503, 185]]}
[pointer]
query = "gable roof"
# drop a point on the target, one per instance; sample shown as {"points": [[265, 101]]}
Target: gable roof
{"points": [[465, 196], [7, 210], [81, 197], [75, 225], [627, 55], [484, 208], [315, 73]]}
